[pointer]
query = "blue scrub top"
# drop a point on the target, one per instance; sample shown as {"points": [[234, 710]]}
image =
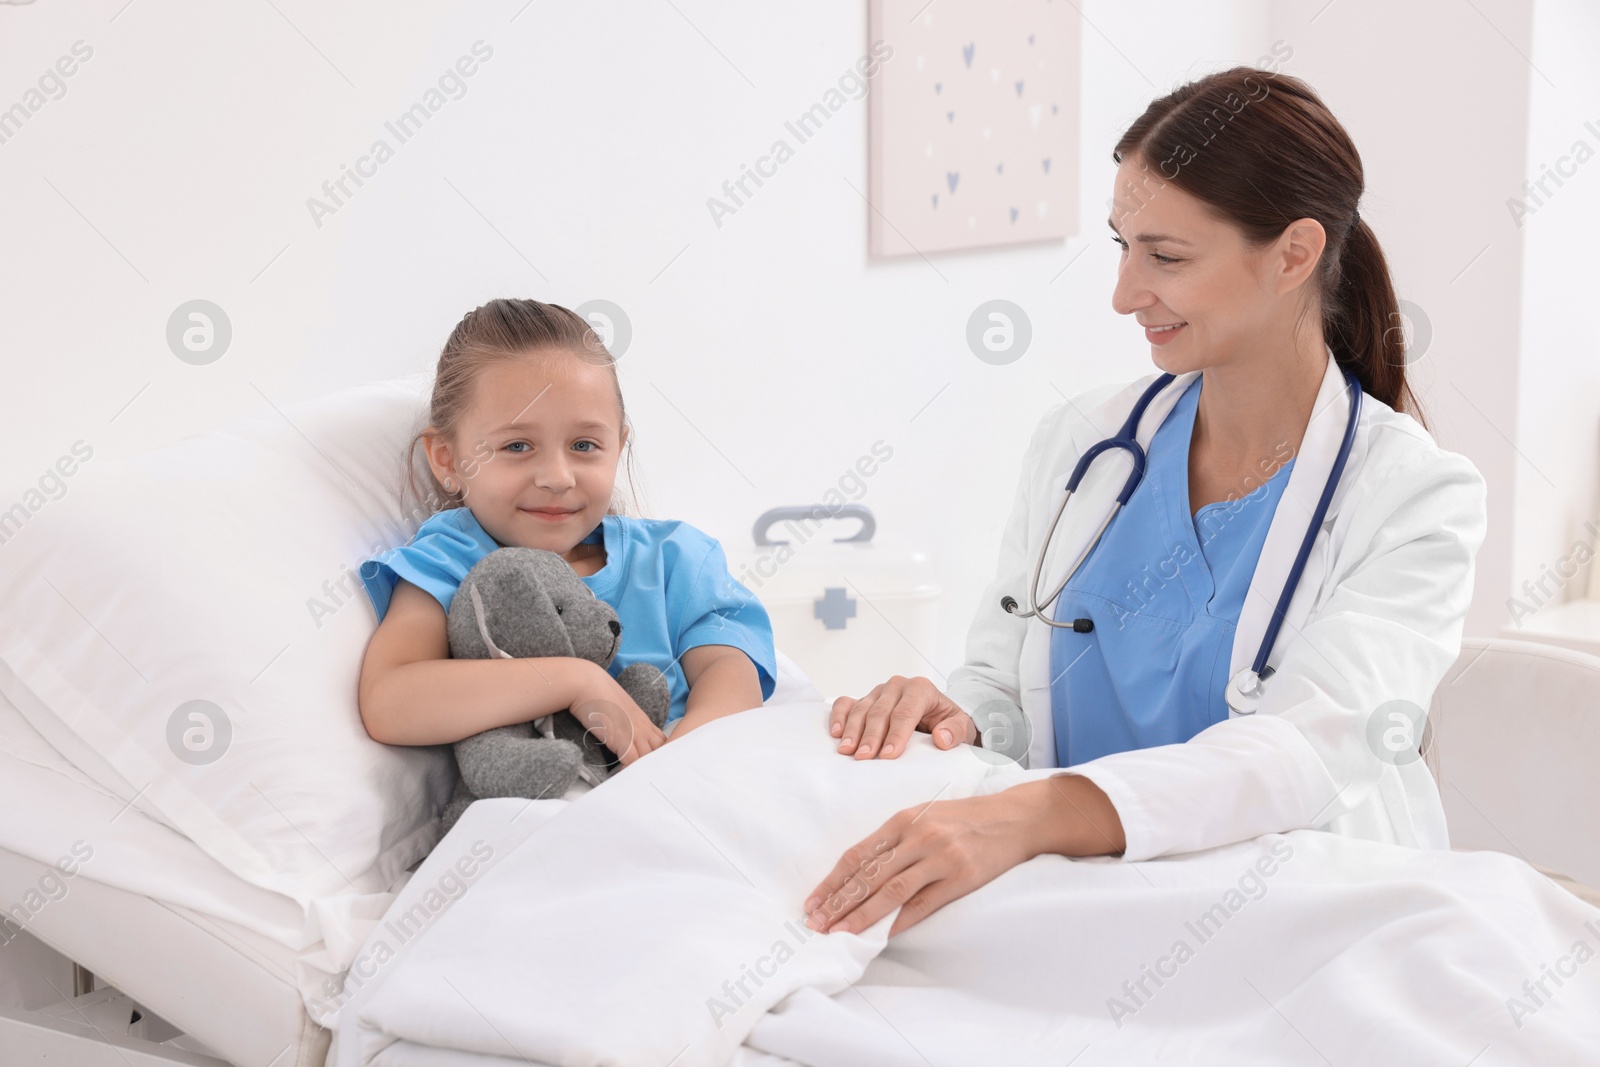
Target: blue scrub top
{"points": [[1164, 589], [668, 582]]}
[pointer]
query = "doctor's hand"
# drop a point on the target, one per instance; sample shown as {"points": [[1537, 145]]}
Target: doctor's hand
{"points": [[926, 856], [880, 723], [920, 860]]}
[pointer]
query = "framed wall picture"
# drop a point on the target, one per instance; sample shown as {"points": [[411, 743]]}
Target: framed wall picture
{"points": [[973, 125]]}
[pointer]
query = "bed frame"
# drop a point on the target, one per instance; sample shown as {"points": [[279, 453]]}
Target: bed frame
{"points": [[169, 985], [99, 1027]]}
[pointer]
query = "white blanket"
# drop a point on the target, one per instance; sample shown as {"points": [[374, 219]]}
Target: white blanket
{"points": [[657, 920]]}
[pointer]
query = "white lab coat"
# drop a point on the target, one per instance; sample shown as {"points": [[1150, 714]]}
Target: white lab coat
{"points": [[1377, 617]]}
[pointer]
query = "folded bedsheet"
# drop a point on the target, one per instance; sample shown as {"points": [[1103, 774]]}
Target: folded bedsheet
{"points": [[657, 920]]}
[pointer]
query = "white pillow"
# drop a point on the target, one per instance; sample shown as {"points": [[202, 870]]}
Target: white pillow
{"points": [[195, 573]]}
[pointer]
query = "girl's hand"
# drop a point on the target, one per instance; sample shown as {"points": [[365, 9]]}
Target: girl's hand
{"points": [[920, 860], [880, 723], [608, 712]]}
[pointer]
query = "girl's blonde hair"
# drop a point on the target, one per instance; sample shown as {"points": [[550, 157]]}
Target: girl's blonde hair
{"points": [[500, 331]]}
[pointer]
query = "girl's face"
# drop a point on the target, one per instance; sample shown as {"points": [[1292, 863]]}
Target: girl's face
{"points": [[1203, 294], [536, 451]]}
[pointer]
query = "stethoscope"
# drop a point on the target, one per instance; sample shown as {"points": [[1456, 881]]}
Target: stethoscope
{"points": [[1244, 688]]}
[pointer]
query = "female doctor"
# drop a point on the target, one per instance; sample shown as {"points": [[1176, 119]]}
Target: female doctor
{"points": [[1263, 292]]}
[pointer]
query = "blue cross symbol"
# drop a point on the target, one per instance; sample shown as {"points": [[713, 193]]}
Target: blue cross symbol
{"points": [[833, 608]]}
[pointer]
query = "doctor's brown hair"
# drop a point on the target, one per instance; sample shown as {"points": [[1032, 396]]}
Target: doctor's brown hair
{"points": [[1262, 150], [497, 332]]}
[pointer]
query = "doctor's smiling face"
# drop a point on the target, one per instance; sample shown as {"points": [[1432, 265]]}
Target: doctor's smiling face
{"points": [[1205, 295], [535, 450]]}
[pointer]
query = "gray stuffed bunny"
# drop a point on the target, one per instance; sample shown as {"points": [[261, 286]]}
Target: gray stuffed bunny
{"points": [[527, 602]]}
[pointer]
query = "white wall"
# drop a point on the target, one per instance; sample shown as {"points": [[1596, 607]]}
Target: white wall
{"points": [[1435, 95], [770, 354], [1558, 483], [766, 359]]}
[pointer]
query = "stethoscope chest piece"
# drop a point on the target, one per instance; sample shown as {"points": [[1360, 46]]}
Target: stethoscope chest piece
{"points": [[1244, 692]]}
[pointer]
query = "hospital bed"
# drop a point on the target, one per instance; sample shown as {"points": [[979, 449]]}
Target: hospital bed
{"points": [[159, 950], [1515, 739]]}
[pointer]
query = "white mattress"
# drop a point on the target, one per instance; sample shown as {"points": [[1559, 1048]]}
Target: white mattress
{"points": [[153, 915]]}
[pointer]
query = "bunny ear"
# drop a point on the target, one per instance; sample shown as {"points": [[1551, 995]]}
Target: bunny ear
{"points": [[481, 616]]}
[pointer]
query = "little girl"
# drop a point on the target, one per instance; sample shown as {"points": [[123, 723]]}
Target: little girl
{"points": [[526, 428]]}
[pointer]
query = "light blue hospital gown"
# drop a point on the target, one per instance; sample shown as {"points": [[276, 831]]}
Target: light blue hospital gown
{"points": [[668, 582], [1164, 589]]}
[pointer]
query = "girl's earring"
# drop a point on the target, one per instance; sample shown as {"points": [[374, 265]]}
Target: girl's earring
{"points": [[448, 485]]}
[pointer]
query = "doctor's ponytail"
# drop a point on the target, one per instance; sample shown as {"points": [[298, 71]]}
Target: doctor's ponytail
{"points": [[1262, 150], [1362, 321]]}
